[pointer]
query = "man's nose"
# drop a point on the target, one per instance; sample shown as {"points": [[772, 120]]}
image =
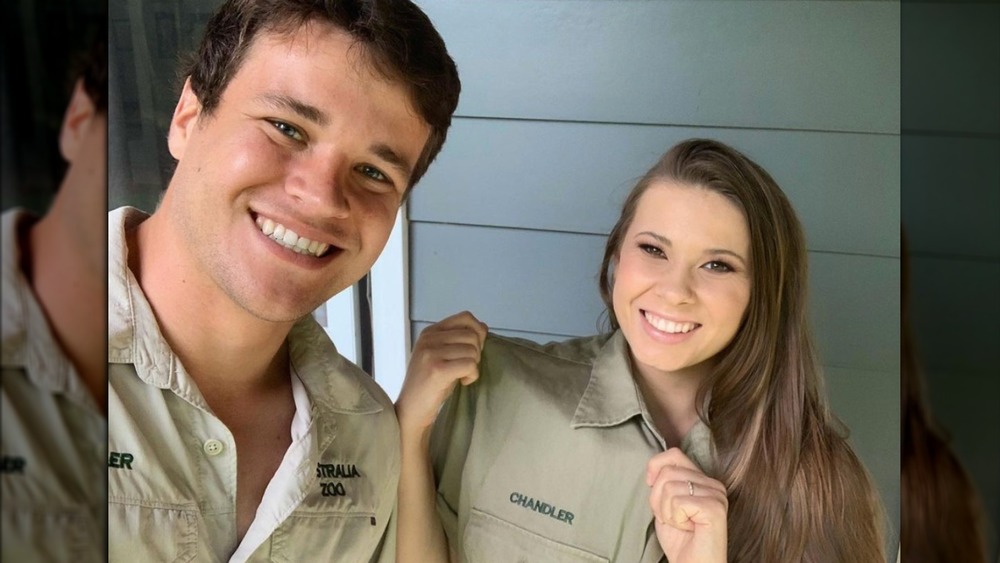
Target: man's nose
{"points": [[319, 183]]}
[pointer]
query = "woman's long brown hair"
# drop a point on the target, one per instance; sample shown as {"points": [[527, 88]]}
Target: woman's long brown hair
{"points": [[941, 518], [797, 491]]}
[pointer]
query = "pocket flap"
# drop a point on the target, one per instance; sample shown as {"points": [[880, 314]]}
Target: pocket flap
{"points": [[488, 538]]}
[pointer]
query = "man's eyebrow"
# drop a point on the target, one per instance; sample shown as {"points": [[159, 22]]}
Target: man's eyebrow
{"points": [[386, 153], [304, 110], [666, 242]]}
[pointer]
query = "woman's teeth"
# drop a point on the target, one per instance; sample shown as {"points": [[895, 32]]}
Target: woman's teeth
{"points": [[663, 325]]}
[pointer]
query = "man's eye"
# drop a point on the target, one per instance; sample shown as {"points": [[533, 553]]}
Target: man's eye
{"points": [[288, 130], [650, 249], [373, 173], [718, 266]]}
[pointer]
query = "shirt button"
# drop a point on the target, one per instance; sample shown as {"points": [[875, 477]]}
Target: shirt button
{"points": [[213, 447]]}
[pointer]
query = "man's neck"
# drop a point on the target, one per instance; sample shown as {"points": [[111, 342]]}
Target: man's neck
{"points": [[226, 350], [72, 292]]}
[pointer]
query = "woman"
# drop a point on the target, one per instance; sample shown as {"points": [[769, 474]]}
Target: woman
{"points": [[569, 451]]}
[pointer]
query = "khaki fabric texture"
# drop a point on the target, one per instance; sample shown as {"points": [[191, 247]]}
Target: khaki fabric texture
{"points": [[53, 434], [544, 457], [176, 499]]}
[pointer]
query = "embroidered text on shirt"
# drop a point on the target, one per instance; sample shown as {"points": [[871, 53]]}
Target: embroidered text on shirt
{"points": [[13, 464], [120, 460], [542, 507], [335, 471]]}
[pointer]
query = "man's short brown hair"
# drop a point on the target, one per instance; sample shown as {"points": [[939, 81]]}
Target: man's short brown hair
{"points": [[398, 38]]}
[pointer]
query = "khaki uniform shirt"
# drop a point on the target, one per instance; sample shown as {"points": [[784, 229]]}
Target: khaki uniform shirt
{"points": [[172, 463], [544, 457], [53, 434]]}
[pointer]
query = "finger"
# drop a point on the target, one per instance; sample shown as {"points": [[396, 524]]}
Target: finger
{"points": [[672, 456], [685, 511], [463, 319], [470, 379], [447, 351], [657, 495], [467, 320], [449, 371], [481, 331], [463, 335], [683, 475], [463, 324]]}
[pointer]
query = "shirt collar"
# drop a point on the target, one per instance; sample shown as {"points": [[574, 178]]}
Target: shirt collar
{"points": [[28, 342], [332, 381], [133, 335], [613, 397]]}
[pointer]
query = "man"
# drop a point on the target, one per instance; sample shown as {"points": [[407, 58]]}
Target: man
{"points": [[236, 432], [52, 381]]}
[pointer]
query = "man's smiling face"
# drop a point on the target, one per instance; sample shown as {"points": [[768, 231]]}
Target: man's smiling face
{"points": [[286, 193]]}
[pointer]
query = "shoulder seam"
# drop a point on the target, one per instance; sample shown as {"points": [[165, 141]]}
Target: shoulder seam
{"points": [[539, 351]]}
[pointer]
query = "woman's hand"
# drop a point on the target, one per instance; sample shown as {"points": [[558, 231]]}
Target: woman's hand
{"points": [[689, 509], [446, 352]]}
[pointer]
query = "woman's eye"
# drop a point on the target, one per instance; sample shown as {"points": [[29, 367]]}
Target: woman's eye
{"points": [[718, 266], [288, 130], [651, 250]]}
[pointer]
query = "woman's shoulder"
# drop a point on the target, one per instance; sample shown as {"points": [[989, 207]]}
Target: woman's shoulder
{"points": [[556, 370], [580, 352]]}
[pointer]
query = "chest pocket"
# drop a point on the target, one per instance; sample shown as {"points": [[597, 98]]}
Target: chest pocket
{"points": [[335, 522], [310, 536], [142, 532], [488, 538]]}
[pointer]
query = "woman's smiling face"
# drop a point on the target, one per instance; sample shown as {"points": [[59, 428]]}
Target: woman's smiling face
{"points": [[681, 278]]}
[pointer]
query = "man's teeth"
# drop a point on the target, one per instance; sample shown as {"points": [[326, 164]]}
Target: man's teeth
{"points": [[289, 238], [663, 325]]}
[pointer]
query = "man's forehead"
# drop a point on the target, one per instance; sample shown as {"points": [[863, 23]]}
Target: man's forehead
{"points": [[315, 38], [312, 37]]}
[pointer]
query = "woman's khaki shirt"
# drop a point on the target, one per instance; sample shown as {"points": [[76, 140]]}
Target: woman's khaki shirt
{"points": [[544, 457]]}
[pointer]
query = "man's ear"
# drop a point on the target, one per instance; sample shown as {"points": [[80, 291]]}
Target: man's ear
{"points": [[79, 114], [184, 121]]}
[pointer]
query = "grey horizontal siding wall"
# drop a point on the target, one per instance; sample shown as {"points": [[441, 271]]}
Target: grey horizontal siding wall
{"points": [[566, 103], [951, 213]]}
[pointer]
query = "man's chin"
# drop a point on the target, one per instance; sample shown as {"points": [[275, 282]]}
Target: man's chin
{"points": [[277, 310]]}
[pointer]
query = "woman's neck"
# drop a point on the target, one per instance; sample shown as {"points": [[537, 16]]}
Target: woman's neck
{"points": [[670, 398]]}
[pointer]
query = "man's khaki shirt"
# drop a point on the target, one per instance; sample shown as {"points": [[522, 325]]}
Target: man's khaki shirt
{"points": [[544, 457], [53, 433], [172, 463]]}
